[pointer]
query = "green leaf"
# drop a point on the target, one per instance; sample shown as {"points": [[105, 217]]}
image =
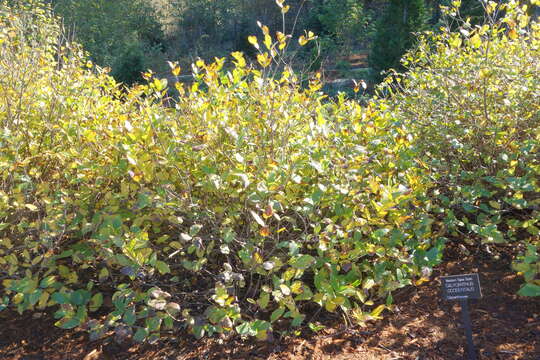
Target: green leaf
{"points": [[60, 298], [194, 229], [246, 329], [529, 290], [33, 298], [80, 297], [140, 335], [47, 282], [103, 274], [96, 301], [153, 323], [297, 320], [129, 316], [263, 300], [68, 323], [261, 325], [163, 267], [276, 314], [316, 327], [143, 200], [303, 262]]}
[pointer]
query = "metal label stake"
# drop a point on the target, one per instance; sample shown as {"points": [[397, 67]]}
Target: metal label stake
{"points": [[471, 351], [463, 288]]}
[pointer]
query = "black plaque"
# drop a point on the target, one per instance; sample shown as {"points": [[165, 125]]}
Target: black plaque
{"points": [[461, 287]]}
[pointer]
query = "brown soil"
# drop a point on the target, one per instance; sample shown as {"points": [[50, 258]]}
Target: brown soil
{"points": [[422, 326]]}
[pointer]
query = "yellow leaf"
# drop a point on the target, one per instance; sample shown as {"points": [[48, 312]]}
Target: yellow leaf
{"points": [[523, 20], [268, 41], [174, 67], [377, 311], [512, 34], [239, 57], [31, 207], [340, 300], [147, 75], [476, 41], [495, 204], [90, 135], [296, 287], [180, 88], [264, 60], [265, 231], [368, 284], [262, 335], [17, 299], [43, 299], [176, 245], [356, 86], [455, 41], [253, 41], [330, 306]]}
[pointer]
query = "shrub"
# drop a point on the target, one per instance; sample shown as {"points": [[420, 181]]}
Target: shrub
{"points": [[244, 206], [471, 99], [129, 66], [253, 201]]}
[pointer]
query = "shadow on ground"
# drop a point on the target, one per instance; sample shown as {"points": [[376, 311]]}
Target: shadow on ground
{"points": [[422, 327]]}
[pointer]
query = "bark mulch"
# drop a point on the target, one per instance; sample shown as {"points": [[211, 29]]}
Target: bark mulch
{"points": [[505, 326]]}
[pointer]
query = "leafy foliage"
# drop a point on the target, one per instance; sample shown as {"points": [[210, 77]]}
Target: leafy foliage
{"points": [[473, 106], [247, 202], [343, 23], [395, 33], [250, 200], [121, 34]]}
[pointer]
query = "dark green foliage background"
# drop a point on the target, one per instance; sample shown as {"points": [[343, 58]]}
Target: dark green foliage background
{"points": [[132, 36]]}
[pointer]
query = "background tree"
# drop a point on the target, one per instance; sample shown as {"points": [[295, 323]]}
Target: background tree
{"points": [[395, 33], [122, 34]]}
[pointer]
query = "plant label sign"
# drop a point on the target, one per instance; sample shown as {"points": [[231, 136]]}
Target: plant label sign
{"points": [[461, 287]]}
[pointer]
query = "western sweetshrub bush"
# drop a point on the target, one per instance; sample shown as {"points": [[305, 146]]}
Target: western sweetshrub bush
{"points": [[252, 200], [472, 104]]}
